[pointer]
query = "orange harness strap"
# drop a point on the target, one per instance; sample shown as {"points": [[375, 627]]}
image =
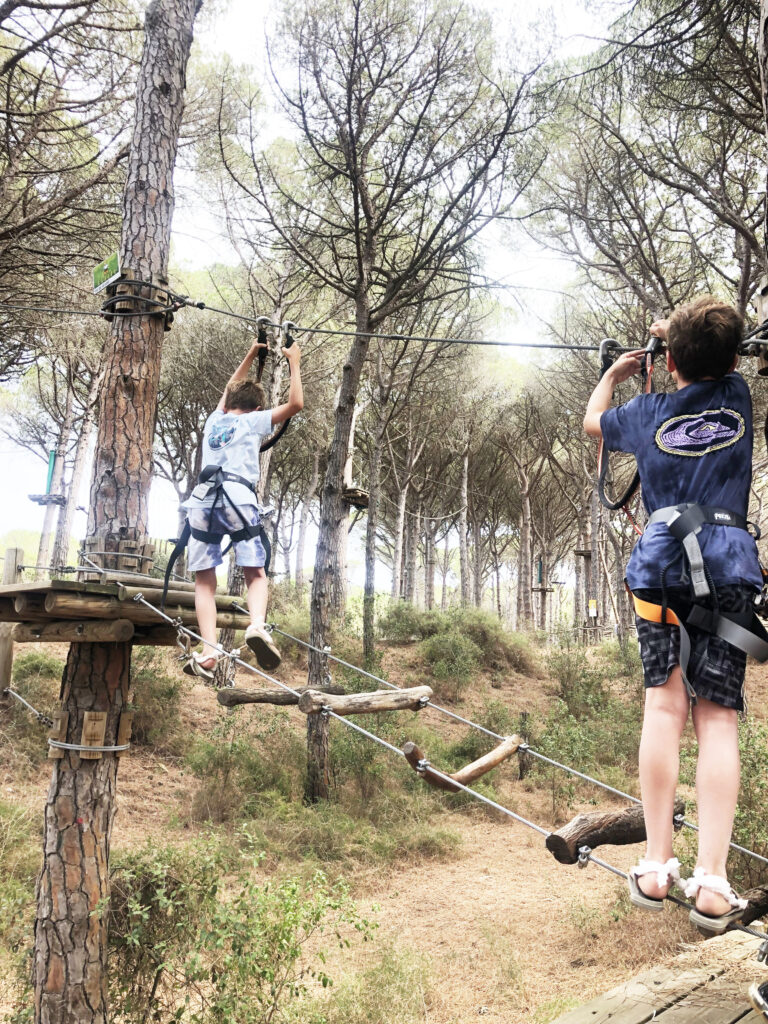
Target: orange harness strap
{"points": [[652, 612]]}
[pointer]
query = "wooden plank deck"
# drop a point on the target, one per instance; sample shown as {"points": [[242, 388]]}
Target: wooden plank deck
{"points": [[707, 984]]}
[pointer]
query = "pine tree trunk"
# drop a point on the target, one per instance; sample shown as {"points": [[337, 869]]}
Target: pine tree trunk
{"points": [[763, 52], [463, 541], [477, 562], [67, 512], [526, 578], [446, 564], [369, 594], [304, 521], [70, 933], [57, 480], [333, 524], [397, 556], [429, 564]]}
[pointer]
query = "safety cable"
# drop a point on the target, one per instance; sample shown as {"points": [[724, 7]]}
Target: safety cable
{"points": [[524, 747], [585, 853]]}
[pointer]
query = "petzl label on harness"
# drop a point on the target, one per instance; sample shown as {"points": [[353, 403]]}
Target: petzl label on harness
{"points": [[700, 433]]}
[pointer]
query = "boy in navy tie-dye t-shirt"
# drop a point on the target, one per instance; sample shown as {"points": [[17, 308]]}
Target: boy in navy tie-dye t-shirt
{"points": [[694, 446]]}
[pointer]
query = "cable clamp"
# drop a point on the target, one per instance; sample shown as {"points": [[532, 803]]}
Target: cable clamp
{"points": [[325, 711], [270, 626], [327, 679], [678, 821], [327, 649], [422, 766], [584, 855], [234, 654], [138, 597], [762, 953], [523, 747], [423, 703]]}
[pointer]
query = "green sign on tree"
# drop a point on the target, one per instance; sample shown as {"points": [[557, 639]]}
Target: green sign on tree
{"points": [[105, 273]]}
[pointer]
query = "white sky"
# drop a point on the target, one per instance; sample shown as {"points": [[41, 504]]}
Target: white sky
{"points": [[237, 27]]}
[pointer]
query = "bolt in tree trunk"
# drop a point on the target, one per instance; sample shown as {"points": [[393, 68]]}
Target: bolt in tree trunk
{"points": [[70, 932]]}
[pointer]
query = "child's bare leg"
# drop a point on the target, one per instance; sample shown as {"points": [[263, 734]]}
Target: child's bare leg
{"points": [[257, 593], [666, 712], [205, 607], [717, 792]]}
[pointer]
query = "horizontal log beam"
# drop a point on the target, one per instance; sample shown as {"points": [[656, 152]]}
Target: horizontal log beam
{"points": [[231, 697], [63, 604], [8, 612], [471, 772], [74, 631], [600, 828], [154, 636], [313, 701]]}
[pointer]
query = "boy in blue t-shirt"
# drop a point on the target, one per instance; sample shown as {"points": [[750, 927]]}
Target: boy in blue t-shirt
{"points": [[691, 446], [232, 441]]}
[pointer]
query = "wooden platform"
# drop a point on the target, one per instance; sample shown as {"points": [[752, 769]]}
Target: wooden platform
{"points": [[70, 610], [707, 984]]}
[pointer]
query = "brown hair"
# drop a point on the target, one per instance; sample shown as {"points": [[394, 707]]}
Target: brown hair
{"points": [[244, 394], [704, 338]]}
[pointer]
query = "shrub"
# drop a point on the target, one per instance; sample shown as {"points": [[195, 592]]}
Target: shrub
{"points": [[580, 686], [499, 648], [453, 658], [403, 622], [239, 763], [37, 678], [156, 720], [183, 949]]}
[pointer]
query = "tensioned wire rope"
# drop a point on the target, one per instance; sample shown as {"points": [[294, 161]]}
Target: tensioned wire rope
{"points": [[585, 853], [524, 747]]}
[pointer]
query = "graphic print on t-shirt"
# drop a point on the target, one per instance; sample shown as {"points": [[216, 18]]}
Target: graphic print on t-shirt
{"points": [[220, 436], [698, 434]]}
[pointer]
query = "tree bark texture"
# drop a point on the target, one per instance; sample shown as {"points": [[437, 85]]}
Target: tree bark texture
{"points": [[309, 494], [128, 404], [57, 481], [372, 525], [67, 513], [763, 51], [70, 944], [463, 542], [397, 556], [70, 936]]}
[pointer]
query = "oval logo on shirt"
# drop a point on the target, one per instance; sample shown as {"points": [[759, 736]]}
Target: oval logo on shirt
{"points": [[700, 433], [220, 437]]}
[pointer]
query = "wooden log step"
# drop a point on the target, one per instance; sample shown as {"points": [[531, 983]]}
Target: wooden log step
{"points": [[74, 631], [598, 828], [75, 606], [155, 582], [758, 904], [231, 697], [469, 773], [313, 701], [414, 756]]}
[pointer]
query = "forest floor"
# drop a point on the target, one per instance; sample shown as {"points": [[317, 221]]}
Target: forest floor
{"points": [[497, 929]]}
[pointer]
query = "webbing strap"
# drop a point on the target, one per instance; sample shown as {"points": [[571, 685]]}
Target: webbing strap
{"points": [[684, 522]]}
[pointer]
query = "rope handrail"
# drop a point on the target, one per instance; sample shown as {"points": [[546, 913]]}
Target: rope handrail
{"points": [[585, 853], [525, 747]]}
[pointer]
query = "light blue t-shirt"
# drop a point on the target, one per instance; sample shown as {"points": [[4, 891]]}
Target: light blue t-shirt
{"points": [[233, 441]]}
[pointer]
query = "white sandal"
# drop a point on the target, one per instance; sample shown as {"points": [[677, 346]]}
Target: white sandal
{"points": [[669, 872], [193, 666], [709, 923]]}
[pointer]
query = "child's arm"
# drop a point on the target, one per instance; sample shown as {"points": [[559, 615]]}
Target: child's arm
{"points": [[242, 371], [295, 401], [600, 400]]}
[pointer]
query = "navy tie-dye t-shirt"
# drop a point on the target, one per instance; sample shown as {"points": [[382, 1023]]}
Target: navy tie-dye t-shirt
{"points": [[694, 445]]}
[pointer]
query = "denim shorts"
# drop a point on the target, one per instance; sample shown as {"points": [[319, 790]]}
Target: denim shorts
{"points": [[716, 668], [249, 553]]}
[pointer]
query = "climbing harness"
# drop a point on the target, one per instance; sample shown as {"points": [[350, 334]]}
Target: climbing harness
{"points": [[742, 630], [212, 481]]}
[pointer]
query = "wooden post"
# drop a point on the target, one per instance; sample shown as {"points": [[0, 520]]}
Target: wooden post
{"points": [[70, 952], [14, 557]]}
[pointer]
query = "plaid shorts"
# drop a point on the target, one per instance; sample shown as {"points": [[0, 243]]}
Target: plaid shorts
{"points": [[207, 556], [716, 668]]}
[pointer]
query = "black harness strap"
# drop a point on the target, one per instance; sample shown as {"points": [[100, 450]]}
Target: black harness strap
{"points": [[216, 477]]}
